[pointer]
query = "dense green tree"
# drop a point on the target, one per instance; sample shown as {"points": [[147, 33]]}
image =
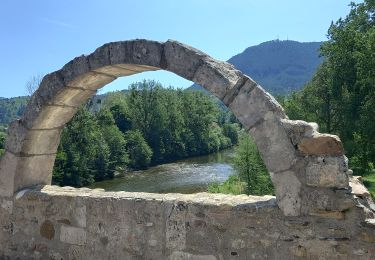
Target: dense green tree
{"points": [[139, 151], [340, 97], [251, 169], [2, 142], [251, 175], [231, 131], [115, 140], [83, 154]]}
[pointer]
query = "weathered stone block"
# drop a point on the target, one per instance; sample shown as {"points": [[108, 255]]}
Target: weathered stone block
{"points": [[275, 147], [22, 141], [218, 77], [71, 97], [136, 68], [51, 85], [91, 81], [140, 51], [298, 129], [327, 172], [182, 59], [72, 235], [252, 103], [358, 188], [321, 144], [287, 187], [47, 117], [327, 214], [75, 68], [8, 167], [146, 52], [115, 71], [33, 170]]}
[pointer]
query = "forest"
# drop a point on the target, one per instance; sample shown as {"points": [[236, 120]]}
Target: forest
{"points": [[144, 126], [341, 95]]}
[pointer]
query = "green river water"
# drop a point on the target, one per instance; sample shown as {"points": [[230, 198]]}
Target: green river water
{"points": [[185, 176]]}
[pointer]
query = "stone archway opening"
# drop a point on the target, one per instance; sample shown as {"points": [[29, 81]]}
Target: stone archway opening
{"points": [[304, 164]]}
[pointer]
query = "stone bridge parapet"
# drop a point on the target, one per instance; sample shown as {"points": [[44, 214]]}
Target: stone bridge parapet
{"points": [[309, 170]]}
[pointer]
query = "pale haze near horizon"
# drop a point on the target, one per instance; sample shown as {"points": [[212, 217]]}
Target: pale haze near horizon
{"points": [[39, 37]]}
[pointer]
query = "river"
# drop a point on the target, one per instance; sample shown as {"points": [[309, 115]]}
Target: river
{"points": [[184, 176]]}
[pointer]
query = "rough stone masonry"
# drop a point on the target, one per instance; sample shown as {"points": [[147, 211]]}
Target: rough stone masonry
{"points": [[320, 210]]}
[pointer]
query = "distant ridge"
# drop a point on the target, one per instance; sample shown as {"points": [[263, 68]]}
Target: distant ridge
{"points": [[279, 66]]}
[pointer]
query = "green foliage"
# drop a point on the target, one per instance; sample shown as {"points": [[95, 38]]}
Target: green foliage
{"points": [[251, 169], [233, 185], [369, 182], [341, 95], [140, 152], [115, 140], [12, 108], [83, 154], [2, 142], [175, 123], [251, 175], [131, 130]]}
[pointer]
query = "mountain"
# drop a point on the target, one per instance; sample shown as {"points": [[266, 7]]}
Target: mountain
{"points": [[11, 108], [279, 66]]}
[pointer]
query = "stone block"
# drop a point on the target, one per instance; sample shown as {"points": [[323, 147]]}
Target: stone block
{"points": [[51, 85], [145, 52], [8, 166], [327, 214], [115, 71], [321, 144], [22, 141], [287, 187], [75, 68], [71, 97], [358, 188], [329, 172], [217, 77], [33, 170], [182, 59], [298, 129], [180, 255], [252, 103], [142, 52], [91, 81], [136, 68], [274, 145], [47, 117], [72, 235]]}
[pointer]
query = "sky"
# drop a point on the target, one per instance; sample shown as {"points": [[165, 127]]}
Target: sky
{"points": [[40, 36]]}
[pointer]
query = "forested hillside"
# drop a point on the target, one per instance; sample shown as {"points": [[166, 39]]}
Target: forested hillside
{"points": [[279, 66], [11, 108]]}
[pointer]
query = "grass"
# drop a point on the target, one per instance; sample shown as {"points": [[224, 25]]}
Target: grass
{"points": [[231, 186], [369, 182]]}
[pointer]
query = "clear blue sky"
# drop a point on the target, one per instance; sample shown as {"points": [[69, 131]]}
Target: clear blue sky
{"points": [[40, 36]]}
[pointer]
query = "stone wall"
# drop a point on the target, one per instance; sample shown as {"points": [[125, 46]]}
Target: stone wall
{"points": [[67, 223]]}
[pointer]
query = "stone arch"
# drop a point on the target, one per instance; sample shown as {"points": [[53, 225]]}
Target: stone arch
{"points": [[304, 165]]}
